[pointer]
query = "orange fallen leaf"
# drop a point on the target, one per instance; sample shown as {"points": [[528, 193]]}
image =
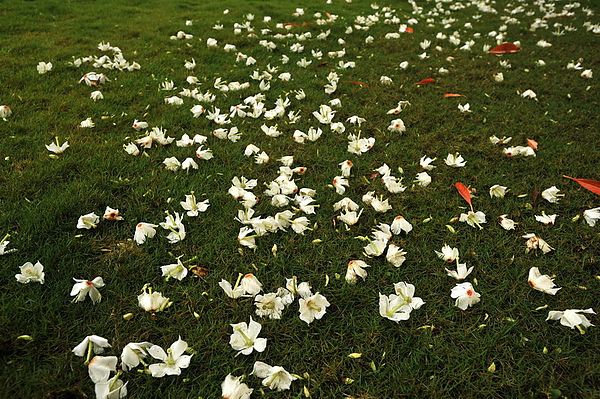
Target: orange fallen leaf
{"points": [[505, 48], [305, 24], [592, 185], [356, 83], [410, 30], [447, 95], [532, 143], [465, 193], [321, 64], [291, 24], [426, 81]]}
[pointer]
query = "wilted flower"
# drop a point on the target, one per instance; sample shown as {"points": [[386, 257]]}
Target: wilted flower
{"points": [[5, 111], [535, 242], [588, 74], [87, 123], [81, 288], [111, 214], [545, 219], [506, 223], [395, 255], [111, 389], [96, 95], [57, 148], [400, 224], [91, 343], [541, 282], [100, 367], [423, 179], [448, 253]]}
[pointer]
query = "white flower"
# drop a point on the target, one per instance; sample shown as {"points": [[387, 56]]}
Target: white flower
{"points": [[232, 388], [425, 162], [551, 194], [448, 253], [588, 74], [81, 288], [473, 218], [397, 126], [461, 271], [541, 282], [56, 148], [375, 247], [192, 206], [111, 389], [398, 306], [87, 123], [131, 149], [465, 295], [175, 226], [172, 164], [133, 353], [506, 223], [340, 183], [313, 307], [386, 80], [139, 125], [143, 231], [274, 377], [250, 285], [177, 270], [44, 67], [189, 163], [245, 337], [5, 111], [303, 289], [395, 255], [100, 367], [91, 343], [380, 206], [88, 221], [572, 318], [270, 305], [96, 95], [464, 108], [498, 191], [400, 224], [173, 360], [423, 179], [356, 269], [591, 216], [546, 219], [111, 214], [528, 94], [152, 301], [499, 77], [455, 161], [31, 273]]}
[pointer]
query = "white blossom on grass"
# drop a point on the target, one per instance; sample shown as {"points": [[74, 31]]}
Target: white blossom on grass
{"points": [[313, 307], [173, 360], [31, 273], [541, 282], [245, 338]]}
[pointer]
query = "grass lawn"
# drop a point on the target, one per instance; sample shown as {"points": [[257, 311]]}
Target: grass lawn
{"points": [[183, 67]]}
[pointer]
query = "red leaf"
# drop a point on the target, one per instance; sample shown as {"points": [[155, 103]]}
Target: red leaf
{"points": [[532, 143], [505, 48], [465, 193], [356, 83], [592, 185], [410, 30], [304, 24], [447, 95], [291, 24], [426, 81]]}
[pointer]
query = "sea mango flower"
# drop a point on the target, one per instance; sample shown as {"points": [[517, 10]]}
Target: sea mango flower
{"points": [[82, 288], [465, 295], [173, 360], [31, 273], [541, 282], [572, 318], [274, 377]]}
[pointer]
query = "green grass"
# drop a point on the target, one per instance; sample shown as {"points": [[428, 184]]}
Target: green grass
{"points": [[441, 351]]}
